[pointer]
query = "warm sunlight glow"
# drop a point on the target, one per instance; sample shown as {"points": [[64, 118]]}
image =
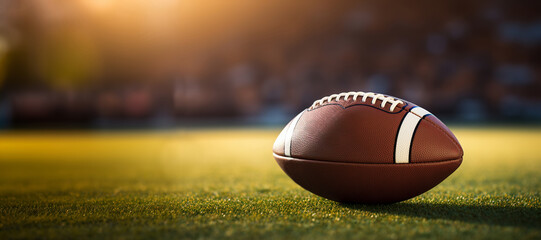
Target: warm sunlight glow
{"points": [[98, 5]]}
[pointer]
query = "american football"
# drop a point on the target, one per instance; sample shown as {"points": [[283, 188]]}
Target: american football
{"points": [[155, 119], [359, 147]]}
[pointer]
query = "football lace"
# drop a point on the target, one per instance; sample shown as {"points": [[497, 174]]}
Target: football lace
{"points": [[384, 99]]}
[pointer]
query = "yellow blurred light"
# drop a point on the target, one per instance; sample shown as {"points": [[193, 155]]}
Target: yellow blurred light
{"points": [[70, 58], [98, 5]]}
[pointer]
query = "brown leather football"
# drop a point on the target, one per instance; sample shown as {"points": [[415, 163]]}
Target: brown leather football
{"points": [[362, 147]]}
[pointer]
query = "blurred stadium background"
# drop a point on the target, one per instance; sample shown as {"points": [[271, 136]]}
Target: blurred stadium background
{"points": [[160, 63], [201, 88]]}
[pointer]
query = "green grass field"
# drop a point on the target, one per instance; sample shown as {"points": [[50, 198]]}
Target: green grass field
{"points": [[213, 184]]}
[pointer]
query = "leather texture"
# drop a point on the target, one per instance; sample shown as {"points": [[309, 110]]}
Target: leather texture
{"points": [[358, 133], [366, 183], [346, 131], [344, 151], [433, 142]]}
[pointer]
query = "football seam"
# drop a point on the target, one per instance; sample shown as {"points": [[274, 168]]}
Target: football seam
{"points": [[331, 161], [455, 143], [360, 104]]}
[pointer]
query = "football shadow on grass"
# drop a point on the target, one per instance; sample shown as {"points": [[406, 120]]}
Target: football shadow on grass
{"points": [[528, 217]]}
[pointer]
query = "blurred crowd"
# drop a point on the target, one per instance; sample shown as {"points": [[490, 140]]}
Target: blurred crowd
{"points": [[77, 62]]}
